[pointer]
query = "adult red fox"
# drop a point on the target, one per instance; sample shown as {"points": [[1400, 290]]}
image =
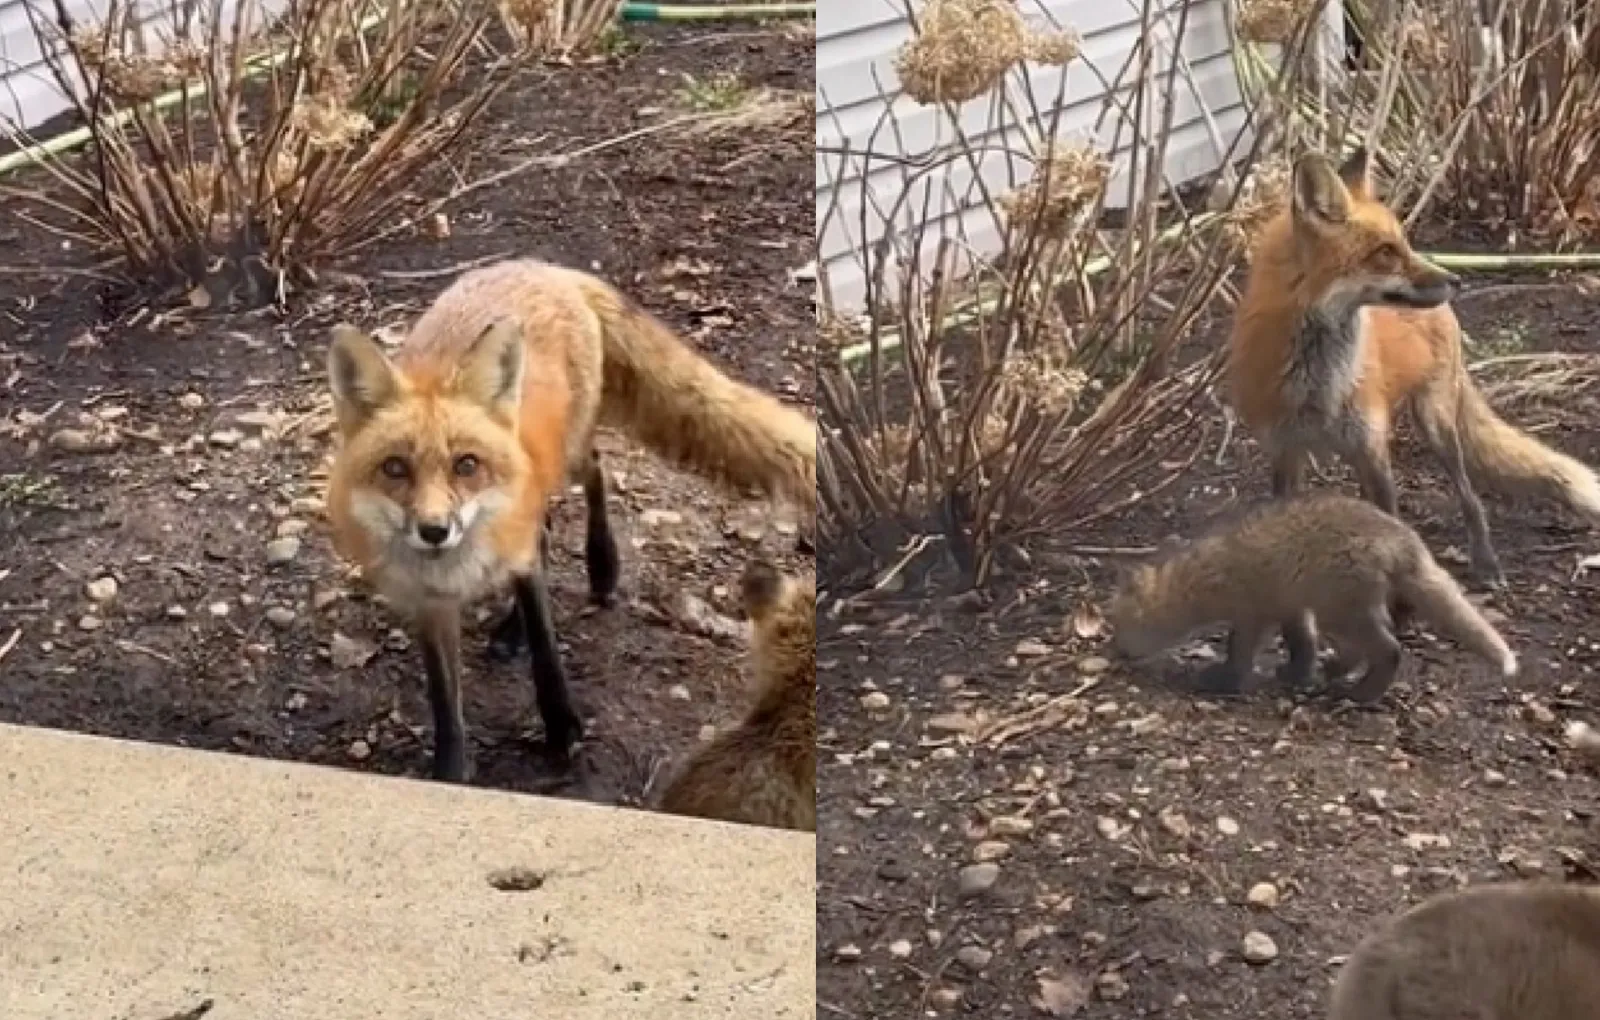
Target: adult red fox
{"points": [[452, 449], [1342, 324]]}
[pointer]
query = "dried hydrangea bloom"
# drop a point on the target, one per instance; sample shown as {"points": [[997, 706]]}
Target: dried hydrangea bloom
{"points": [[1264, 194], [962, 49], [1045, 378], [1270, 21], [1066, 180], [1054, 49]]}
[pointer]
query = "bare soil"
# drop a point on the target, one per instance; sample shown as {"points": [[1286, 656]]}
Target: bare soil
{"points": [[209, 642], [1130, 823]]}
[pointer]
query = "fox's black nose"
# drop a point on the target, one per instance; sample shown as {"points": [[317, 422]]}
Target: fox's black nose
{"points": [[433, 534], [1453, 281]]}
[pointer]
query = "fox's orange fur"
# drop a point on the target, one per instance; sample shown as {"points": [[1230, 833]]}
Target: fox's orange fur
{"points": [[1342, 325], [764, 771], [452, 449]]}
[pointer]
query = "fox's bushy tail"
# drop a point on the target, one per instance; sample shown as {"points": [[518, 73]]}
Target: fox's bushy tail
{"points": [[1515, 463], [672, 400], [1434, 595]]}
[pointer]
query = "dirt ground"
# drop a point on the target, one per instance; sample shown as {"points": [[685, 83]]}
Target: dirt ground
{"points": [[232, 626], [1136, 835]]}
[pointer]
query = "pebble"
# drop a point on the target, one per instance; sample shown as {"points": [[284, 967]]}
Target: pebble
{"points": [[219, 609], [226, 439], [946, 998], [191, 401], [282, 550], [1263, 895], [360, 751], [292, 528], [1259, 948], [1093, 664], [991, 850], [102, 589], [90, 623], [900, 949], [1173, 821], [1011, 825], [1494, 779], [655, 518], [281, 617], [849, 952], [678, 692], [974, 958], [977, 879], [177, 613], [1227, 826], [875, 701], [1028, 648]]}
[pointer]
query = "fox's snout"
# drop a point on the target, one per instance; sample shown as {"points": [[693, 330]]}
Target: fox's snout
{"points": [[1426, 287], [431, 532]]}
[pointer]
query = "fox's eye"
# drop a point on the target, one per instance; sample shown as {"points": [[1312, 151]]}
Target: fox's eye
{"points": [[396, 468], [466, 465]]}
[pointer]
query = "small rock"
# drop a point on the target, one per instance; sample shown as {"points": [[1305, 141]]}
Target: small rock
{"points": [[1495, 779], [1259, 948], [102, 589], [1175, 823], [360, 751], [90, 623], [1028, 648], [1093, 664], [191, 401], [657, 518], [875, 701], [847, 953], [177, 613], [1109, 827], [1011, 825], [991, 850], [1150, 724], [974, 958], [282, 550], [292, 528], [900, 949], [1427, 841], [1227, 826], [219, 609], [281, 617], [225, 439], [946, 998], [678, 692], [977, 879], [1263, 895], [1110, 985], [1539, 714]]}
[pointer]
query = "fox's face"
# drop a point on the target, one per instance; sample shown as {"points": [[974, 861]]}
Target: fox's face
{"points": [[783, 617], [1353, 249], [429, 462]]}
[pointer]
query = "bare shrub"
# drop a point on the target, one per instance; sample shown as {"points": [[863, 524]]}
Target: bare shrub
{"points": [[1483, 112], [285, 143], [992, 395], [560, 27]]}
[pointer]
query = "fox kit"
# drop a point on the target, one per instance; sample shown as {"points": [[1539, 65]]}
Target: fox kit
{"points": [[1320, 560], [1506, 951], [452, 449], [765, 771], [1341, 325]]}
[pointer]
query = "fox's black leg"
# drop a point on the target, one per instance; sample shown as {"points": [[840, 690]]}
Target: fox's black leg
{"points": [[1300, 641], [441, 660], [1233, 675], [562, 727], [507, 639], [600, 553]]}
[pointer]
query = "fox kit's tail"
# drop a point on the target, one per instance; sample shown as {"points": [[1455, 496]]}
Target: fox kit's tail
{"points": [[1436, 597], [1518, 464], [678, 404]]}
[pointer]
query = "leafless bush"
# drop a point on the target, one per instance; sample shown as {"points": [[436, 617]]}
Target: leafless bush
{"points": [[560, 27], [993, 393], [233, 155], [1484, 111]]}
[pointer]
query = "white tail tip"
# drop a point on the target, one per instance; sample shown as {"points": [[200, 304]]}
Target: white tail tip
{"points": [[1508, 665]]}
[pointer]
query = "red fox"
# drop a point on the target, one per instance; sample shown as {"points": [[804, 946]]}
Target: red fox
{"points": [[1341, 324], [452, 449], [1503, 951], [1320, 560], [764, 772]]}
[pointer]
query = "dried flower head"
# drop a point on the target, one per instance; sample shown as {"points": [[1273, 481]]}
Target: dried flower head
{"points": [[1066, 180], [1423, 44], [1263, 194], [1054, 49], [1045, 378], [1270, 21], [327, 123], [527, 20], [961, 50]]}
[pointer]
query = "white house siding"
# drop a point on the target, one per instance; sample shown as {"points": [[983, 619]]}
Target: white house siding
{"points": [[856, 44]]}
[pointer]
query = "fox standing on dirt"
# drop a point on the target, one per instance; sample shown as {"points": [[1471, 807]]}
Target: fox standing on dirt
{"points": [[764, 772], [1340, 325], [1504, 951], [452, 450], [1318, 560]]}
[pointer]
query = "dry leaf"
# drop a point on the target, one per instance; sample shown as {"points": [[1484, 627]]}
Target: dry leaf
{"points": [[1062, 996], [1087, 622]]}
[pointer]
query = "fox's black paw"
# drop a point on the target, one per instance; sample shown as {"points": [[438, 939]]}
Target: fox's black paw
{"points": [[604, 565], [508, 640]]}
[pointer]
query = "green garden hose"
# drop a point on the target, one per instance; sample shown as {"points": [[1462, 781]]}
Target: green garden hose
{"points": [[716, 12]]}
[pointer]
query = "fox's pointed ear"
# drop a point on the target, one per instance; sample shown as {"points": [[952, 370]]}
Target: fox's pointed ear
{"points": [[360, 376], [1319, 196], [1355, 173], [760, 588], [491, 371]]}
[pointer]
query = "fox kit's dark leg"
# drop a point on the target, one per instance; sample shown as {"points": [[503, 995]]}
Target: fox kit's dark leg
{"points": [[507, 639], [441, 659], [600, 554], [1288, 472], [1436, 415], [1300, 642], [562, 727], [1370, 458], [1369, 637], [1232, 675]]}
